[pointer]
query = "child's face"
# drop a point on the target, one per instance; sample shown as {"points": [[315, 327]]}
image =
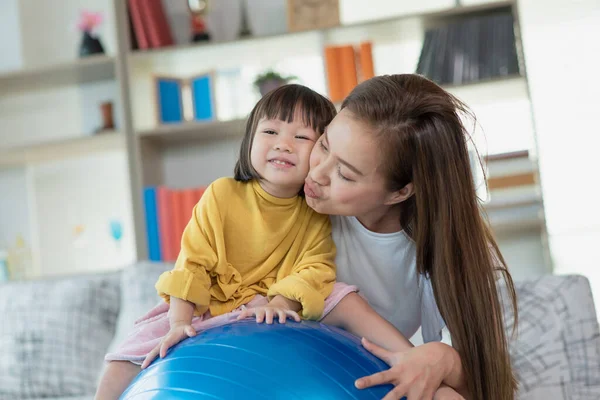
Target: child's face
{"points": [[280, 154]]}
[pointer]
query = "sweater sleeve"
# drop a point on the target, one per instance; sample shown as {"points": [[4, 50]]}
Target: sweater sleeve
{"points": [[313, 275], [190, 279]]}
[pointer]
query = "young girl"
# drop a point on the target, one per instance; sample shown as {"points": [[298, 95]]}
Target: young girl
{"points": [[252, 241]]}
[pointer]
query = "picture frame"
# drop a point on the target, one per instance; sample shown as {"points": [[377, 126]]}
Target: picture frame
{"points": [[185, 99]]}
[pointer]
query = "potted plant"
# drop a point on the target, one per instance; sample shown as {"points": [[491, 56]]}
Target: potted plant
{"points": [[90, 43], [270, 80]]}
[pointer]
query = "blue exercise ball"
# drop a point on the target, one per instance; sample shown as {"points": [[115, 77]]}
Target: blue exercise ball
{"points": [[291, 361]]}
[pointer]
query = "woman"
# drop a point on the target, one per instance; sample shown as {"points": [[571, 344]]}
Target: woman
{"points": [[393, 171]]}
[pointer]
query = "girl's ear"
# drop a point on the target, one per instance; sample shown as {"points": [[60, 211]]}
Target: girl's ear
{"points": [[400, 195]]}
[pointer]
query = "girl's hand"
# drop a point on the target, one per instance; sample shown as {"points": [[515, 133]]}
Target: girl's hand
{"points": [[447, 393], [176, 334], [416, 373], [268, 312]]}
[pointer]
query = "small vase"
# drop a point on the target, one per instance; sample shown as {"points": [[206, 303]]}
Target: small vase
{"points": [[90, 45], [271, 84]]}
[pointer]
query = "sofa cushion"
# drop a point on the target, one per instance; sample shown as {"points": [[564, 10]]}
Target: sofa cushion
{"points": [[557, 348], [138, 295], [54, 334]]}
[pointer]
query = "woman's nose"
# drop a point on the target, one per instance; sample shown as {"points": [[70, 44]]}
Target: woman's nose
{"points": [[318, 173]]}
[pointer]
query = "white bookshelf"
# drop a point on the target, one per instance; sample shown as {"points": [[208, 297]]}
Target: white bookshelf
{"points": [[61, 149], [92, 69]]}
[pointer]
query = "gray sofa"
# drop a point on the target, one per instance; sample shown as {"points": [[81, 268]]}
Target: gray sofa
{"points": [[54, 333]]}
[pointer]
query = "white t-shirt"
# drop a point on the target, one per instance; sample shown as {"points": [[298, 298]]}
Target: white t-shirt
{"points": [[383, 266]]}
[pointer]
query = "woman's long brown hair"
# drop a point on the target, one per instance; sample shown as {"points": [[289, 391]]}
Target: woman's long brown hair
{"points": [[424, 142]]}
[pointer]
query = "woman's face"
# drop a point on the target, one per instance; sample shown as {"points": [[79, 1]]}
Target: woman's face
{"points": [[344, 177]]}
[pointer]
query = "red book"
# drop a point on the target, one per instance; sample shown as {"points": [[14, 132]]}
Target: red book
{"points": [[164, 200], [179, 217], [135, 10], [156, 23], [190, 199]]}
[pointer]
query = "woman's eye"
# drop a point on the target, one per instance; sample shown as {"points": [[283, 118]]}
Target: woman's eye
{"points": [[339, 172], [322, 146]]}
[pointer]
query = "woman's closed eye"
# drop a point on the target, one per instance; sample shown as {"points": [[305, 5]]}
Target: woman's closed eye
{"points": [[322, 145], [339, 172]]}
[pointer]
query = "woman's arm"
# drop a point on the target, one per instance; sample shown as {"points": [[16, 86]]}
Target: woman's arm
{"points": [[356, 316], [427, 366]]}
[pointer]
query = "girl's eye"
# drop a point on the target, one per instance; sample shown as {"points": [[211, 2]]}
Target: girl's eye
{"points": [[270, 132], [302, 137]]}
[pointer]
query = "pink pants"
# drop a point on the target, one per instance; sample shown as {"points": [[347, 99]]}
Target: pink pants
{"points": [[149, 329]]}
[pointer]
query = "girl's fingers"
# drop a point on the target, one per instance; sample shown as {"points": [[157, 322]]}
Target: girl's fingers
{"points": [[150, 357], [282, 316], [269, 316], [190, 331], [294, 315], [260, 316]]}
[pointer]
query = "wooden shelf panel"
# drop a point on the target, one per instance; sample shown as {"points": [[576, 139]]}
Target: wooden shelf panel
{"points": [[426, 15], [60, 149], [195, 131], [85, 70]]}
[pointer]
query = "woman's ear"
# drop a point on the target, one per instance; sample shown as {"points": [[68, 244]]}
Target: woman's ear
{"points": [[400, 195]]}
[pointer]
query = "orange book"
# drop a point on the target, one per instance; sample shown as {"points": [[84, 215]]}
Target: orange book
{"points": [[348, 69], [367, 70], [334, 73], [180, 219], [164, 199]]}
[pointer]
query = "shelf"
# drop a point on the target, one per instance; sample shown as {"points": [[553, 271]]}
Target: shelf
{"points": [[85, 70], [428, 15], [194, 131], [60, 149]]}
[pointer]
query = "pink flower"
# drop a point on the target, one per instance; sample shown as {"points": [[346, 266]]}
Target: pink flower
{"points": [[89, 20]]}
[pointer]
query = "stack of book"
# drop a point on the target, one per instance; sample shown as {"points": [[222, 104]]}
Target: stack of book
{"points": [[168, 212], [474, 49], [150, 26]]}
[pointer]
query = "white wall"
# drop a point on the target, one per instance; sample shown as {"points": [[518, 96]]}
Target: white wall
{"points": [[562, 56], [10, 36], [14, 210], [87, 193]]}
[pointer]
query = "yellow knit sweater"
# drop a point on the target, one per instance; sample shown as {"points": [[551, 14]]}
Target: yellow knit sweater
{"points": [[241, 241]]}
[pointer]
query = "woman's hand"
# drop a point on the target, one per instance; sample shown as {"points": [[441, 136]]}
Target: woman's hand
{"points": [[176, 334], [416, 373]]}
